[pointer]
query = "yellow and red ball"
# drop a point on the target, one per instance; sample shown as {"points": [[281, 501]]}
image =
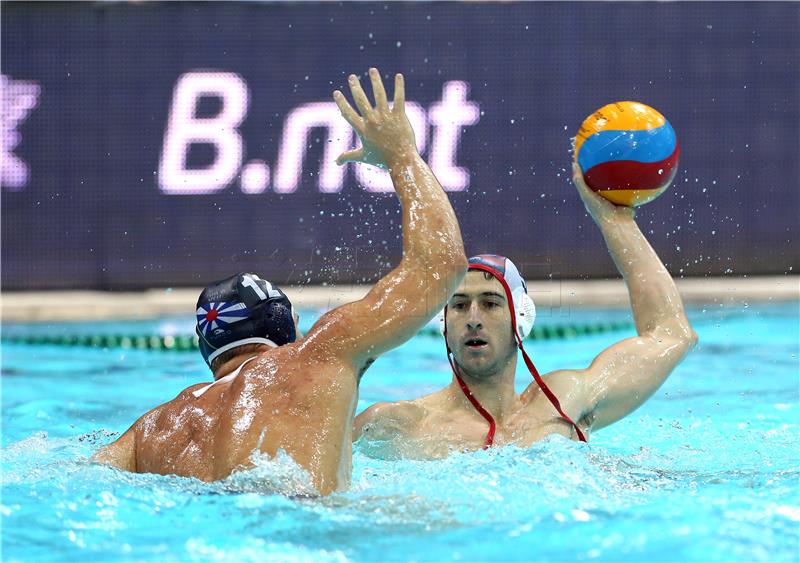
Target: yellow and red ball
{"points": [[628, 153]]}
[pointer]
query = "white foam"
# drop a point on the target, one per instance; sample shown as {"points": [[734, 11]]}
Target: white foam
{"points": [[279, 474]]}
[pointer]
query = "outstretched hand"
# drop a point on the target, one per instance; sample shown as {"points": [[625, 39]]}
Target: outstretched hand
{"points": [[385, 133], [598, 207]]}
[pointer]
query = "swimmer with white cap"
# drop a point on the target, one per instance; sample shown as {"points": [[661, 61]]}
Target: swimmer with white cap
{"points": [[484, 324], [274, 391]]}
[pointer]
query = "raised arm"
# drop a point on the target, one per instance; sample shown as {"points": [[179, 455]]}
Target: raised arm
{"points": [[433, 262], [626, 374]]}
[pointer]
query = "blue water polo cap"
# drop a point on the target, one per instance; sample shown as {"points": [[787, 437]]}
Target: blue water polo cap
{"points": [[242, 309]]}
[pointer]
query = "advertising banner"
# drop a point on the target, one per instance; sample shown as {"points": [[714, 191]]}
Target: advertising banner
{"points": [[170, 144]]}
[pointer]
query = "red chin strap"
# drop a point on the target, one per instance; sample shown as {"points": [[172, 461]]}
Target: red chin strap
{"points": [[475, 403], [531, 368]]}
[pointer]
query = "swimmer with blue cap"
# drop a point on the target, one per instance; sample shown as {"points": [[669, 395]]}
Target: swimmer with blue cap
{"points": [[275, 391], [485, 323]]}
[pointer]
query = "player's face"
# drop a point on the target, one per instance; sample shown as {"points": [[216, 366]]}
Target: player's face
{"points": [[479, 326]]}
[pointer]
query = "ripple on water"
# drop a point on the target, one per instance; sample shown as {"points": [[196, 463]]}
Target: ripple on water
{"points": [[702, 490]]}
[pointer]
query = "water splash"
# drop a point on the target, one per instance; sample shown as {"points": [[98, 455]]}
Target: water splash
{"points": [[270, 475]]}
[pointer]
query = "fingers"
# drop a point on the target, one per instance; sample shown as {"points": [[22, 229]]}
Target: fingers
{"points": [[362, 103], [355, 155], [399, 93], [348, 112], [583, 190], [381, 103], [577, 177], [577, 174], [597, 205]]}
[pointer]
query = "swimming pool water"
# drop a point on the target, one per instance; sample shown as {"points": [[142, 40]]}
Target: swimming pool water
{"points": [[707, 470]]}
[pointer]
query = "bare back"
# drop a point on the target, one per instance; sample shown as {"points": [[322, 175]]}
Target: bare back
{"points": [[282, 400]]}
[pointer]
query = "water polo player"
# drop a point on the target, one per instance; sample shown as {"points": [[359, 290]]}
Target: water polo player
{"points": [[276, 392], [485, 323]]}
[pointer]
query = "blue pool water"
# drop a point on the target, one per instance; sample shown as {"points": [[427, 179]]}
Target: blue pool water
{"points": [[707, 470]]}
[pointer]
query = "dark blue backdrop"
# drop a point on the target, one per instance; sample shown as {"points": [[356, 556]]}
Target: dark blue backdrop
{"points": [[88, 89]]}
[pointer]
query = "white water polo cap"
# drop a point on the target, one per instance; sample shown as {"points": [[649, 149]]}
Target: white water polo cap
{"points": [[523, 311]]}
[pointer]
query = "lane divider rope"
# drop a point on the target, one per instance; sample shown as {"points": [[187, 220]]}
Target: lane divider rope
{"points": [[186, 342]]}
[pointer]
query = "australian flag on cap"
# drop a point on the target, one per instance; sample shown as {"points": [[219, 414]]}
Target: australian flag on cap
{"points": [[212, 316]]}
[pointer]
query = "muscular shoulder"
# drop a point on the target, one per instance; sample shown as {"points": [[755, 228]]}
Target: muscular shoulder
{"points": [[569, 386], [160, 420], [396, 418], [188, 392]]}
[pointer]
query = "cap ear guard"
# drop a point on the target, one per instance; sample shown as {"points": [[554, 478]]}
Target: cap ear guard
{"points": [[526, 314]]}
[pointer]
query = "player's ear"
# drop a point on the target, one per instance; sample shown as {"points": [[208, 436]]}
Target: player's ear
{"points": [[296, 318]]}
